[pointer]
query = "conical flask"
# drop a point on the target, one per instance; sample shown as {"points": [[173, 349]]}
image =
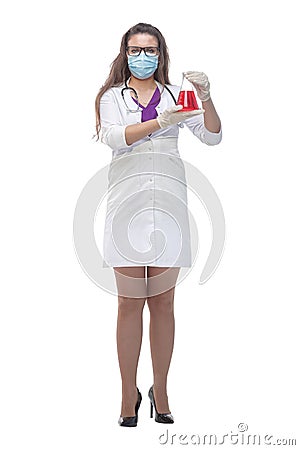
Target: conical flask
{"points": [[187, 97]]}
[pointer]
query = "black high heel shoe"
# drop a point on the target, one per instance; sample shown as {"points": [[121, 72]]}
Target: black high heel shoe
{"points": [[131, 421], [161, 418]]}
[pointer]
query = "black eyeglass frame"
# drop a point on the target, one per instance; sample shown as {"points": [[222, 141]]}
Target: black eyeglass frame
{"points": [[142, 48]]}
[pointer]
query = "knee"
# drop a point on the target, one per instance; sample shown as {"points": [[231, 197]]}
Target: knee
{"points": [[127, 305], [162, 303]]}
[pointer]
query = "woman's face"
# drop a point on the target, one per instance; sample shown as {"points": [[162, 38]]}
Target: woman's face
{"points": [[142, 40], [142, 65]]}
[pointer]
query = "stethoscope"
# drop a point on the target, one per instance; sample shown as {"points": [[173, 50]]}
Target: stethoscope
{"points": [[139, 109]]}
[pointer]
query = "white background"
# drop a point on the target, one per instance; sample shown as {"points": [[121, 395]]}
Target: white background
{"points": [[236, 356]]}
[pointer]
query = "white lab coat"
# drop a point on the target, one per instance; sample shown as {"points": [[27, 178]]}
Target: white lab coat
{"points": [[146, 219]]}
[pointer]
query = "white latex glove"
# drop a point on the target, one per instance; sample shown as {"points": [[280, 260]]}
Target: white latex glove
{"points": [[201, 84], [172, 115]]}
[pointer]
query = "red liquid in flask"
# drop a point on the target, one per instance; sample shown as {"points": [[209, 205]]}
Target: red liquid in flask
{"points": [[188, 100]]}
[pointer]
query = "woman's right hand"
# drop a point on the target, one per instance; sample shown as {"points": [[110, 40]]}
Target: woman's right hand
{"points": [[172, 115]]}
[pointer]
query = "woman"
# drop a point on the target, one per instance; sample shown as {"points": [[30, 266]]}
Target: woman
{"points": [[137, 114]]}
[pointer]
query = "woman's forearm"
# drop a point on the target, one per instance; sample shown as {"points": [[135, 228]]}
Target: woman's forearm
{"points": [[138, 131], [211, 119]]}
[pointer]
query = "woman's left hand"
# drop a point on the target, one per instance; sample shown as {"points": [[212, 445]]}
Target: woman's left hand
{"points": [[201, 84]]}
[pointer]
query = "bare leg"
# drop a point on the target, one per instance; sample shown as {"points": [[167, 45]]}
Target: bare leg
{"points": [[130, 281], [160, 292]]}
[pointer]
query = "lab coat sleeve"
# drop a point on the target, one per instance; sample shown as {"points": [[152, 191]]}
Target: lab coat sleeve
{"points": [[197, 127], [112, 130]]}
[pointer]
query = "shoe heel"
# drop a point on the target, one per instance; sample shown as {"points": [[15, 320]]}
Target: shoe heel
{"points": [[159, 417]]}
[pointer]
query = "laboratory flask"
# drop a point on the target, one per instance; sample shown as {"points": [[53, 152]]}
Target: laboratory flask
{"points": [[187, 97]]}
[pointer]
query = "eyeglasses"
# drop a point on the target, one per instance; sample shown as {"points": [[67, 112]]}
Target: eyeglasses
{"points": [[136, 51]]}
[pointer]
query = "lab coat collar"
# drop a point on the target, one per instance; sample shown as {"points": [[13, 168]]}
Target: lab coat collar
{"points": [[162, 90], [163, 104]]}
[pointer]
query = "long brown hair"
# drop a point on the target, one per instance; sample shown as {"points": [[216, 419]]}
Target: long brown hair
{"points": [[119, 71]]}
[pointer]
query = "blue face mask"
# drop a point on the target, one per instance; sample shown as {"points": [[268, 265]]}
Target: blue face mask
{"points": [[142, 66]]}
